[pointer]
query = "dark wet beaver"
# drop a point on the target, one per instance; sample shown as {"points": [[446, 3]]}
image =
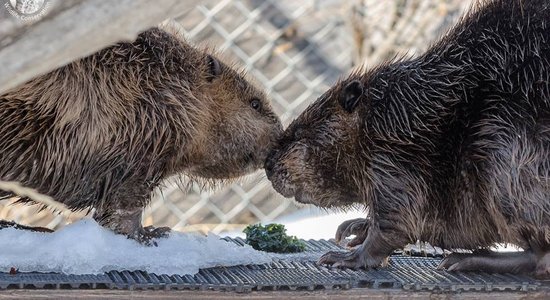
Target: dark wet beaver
{"points": [[104, 131], [451, 147]]}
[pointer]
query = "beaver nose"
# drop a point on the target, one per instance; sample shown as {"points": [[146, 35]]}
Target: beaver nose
{"points": [[270, 161]]}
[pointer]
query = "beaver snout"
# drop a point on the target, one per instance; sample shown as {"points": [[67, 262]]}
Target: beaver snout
{"points": [[270, 149], [270, 162], [278, 174]]}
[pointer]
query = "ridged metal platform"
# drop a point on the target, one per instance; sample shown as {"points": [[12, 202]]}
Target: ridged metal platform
{"points": [[295, 272]]}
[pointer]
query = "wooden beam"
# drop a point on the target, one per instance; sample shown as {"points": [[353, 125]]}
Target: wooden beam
{"points": [[72, 29]]}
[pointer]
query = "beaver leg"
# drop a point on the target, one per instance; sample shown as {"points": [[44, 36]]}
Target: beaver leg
{"points": [[128, 222], [492, 262], [358, 227], [373, 252]]}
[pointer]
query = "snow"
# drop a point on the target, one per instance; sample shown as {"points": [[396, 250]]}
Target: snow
{"points": [[85, 247]]}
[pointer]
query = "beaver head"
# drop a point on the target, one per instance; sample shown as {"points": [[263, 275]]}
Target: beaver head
{"points": [[317, 155], [228, 121], [238, 124]]}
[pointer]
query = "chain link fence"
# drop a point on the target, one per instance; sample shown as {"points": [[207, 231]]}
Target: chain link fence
{"points": [[295, 50]]}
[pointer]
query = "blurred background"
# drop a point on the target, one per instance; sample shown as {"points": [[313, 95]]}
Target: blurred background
{"points": [[295, 50]]}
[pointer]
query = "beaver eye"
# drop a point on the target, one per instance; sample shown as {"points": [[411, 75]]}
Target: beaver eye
{"points": [[214, 69], [256, 104]]}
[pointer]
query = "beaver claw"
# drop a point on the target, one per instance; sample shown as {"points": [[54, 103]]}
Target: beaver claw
{"points": [[147, 235], [355, 259], [358, 227], [337, 259], [491, 262]]}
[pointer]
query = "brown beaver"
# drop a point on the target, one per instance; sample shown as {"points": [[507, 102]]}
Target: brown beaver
{"points": [[103, 131], [451, 147]]}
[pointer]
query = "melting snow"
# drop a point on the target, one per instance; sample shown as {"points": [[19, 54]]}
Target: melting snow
{"points": [[85, 247]]}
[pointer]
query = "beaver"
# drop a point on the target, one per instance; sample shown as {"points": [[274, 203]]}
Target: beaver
{"points": [[450, 147], [103, 131]]}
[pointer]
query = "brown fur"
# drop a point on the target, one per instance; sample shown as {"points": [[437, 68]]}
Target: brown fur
{"points": [[451, 147], [104, 131]]}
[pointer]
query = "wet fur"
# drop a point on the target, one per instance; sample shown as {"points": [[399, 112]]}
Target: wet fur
{"points": [[104, 131], [450, 147]]}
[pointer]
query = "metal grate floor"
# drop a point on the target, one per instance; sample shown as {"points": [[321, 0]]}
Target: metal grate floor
{"points": [[404, 272]]}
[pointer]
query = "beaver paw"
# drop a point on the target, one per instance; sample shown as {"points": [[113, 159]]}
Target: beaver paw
{"points": [[358, 227], [355, 259], [147, 235], [490, 262], [542, 270]]}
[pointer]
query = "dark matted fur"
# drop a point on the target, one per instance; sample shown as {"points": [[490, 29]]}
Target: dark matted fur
{"points": [[103, 131], [451, 147]]}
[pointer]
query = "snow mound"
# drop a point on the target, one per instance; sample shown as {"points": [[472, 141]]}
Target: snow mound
{"points": [[85, 247]]}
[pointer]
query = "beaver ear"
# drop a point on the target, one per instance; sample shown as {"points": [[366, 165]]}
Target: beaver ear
{"points": [[214, 69], [350, 95]]}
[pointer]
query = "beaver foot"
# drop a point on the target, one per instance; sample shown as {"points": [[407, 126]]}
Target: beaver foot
{"points": [[128, 222], [354, 259], [542, 271], [358, 227], [494, 262], [147, 235]]}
